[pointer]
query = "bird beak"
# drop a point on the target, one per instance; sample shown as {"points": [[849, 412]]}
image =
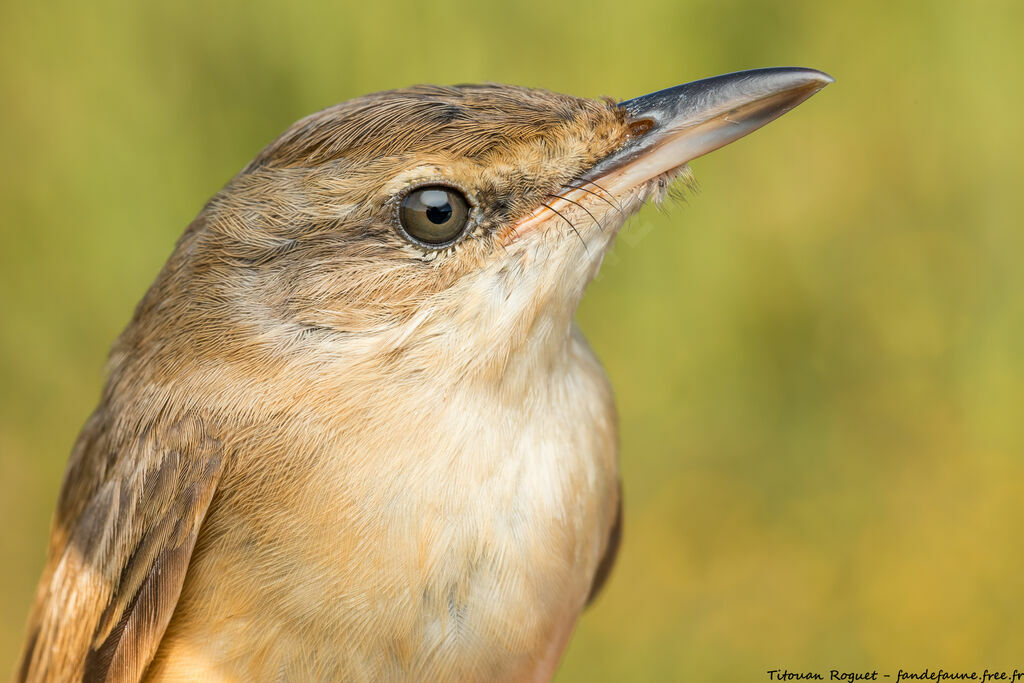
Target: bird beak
{"points": [[669, 128], [673, 126]]}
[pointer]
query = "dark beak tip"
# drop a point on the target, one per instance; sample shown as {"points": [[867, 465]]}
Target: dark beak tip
{"points": [[811, 79], [825, 78], [808, 82], [809, 75]]}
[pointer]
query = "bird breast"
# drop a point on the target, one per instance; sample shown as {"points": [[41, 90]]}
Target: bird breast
{"points": [[437, 531]]}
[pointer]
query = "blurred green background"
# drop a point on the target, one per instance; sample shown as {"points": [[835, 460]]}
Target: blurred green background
{"points": [[819, 359]]}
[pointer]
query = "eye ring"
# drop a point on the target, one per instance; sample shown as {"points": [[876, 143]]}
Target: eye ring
{"points": [[434, 215]]}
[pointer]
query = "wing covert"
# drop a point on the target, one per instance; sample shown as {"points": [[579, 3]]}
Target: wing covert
{"points": [[127, 520]]}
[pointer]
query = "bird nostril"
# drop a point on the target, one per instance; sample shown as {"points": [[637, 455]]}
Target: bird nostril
{"points": [[640, 127]]}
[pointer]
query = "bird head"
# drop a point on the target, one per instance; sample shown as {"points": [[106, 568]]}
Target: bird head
{"points": [[435, 226]]}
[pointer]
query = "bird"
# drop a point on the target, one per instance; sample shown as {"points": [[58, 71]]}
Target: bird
{"points": [[352, 432]]}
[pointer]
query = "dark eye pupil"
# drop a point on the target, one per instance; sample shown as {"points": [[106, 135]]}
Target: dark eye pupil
{"points": [[437, 205], [439, 214]]}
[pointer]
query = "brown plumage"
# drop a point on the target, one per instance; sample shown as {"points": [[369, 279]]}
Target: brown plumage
{"points": [[329, 451]]}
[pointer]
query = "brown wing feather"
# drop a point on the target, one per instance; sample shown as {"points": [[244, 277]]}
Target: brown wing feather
{"points": [[127, 521]]}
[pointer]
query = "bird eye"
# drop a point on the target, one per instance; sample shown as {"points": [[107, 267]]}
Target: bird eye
{"points": [[434, 216]]}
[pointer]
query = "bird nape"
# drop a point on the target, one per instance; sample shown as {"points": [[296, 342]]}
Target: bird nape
{"points": [[351, 431]]}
